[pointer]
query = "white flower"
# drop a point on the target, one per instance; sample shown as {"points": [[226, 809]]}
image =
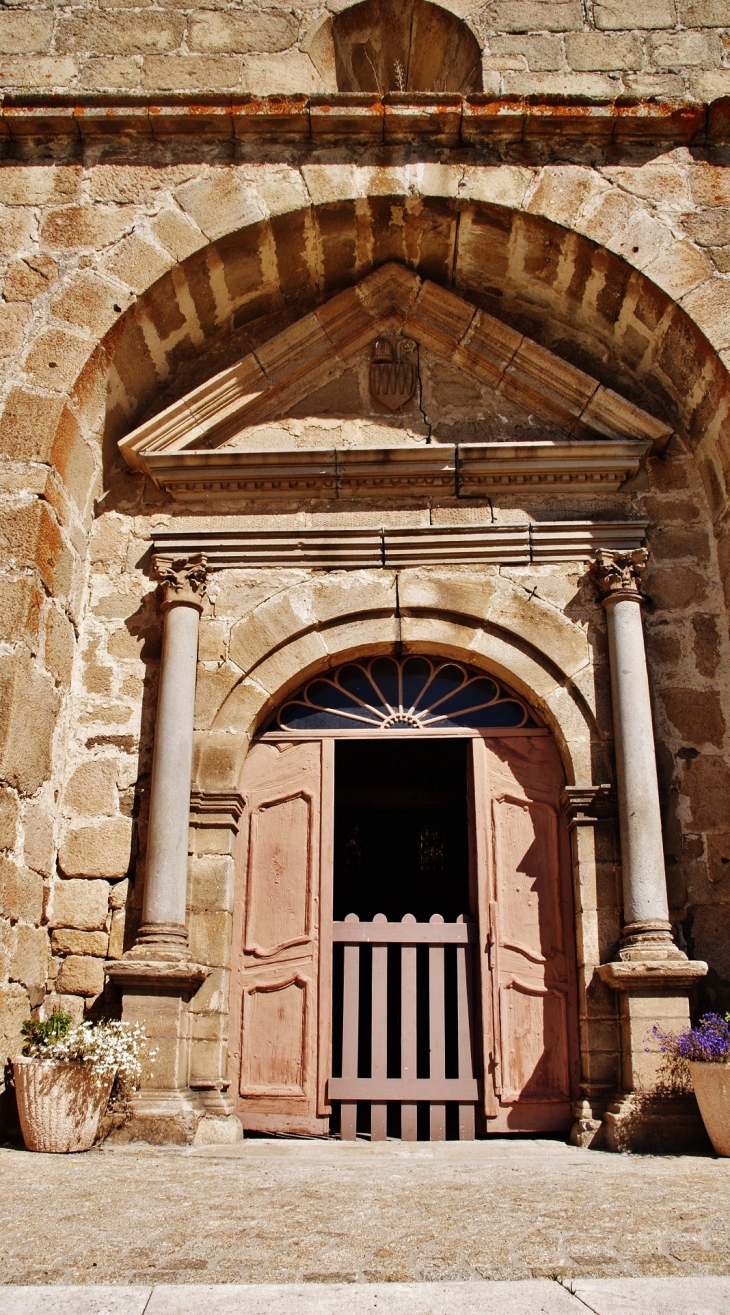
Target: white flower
{"points": [[110, 1048]]}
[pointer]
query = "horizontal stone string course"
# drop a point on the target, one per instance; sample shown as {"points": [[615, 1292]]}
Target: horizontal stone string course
{"points": [[449, 120], [496, 543]]}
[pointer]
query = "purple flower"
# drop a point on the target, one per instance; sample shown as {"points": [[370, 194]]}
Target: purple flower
{"points": [[709, 1042]]}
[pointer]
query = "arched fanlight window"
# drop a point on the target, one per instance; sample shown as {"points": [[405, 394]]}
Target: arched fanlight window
{"points": [[414, 693]]}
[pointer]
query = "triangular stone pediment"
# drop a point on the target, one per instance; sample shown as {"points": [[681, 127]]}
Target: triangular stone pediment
{"points": [[362, 363]]}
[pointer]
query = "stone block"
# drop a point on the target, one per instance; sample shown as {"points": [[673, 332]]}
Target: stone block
{"points": [[89, 300], [21, 892], [177, 233], [211, 692], [591, 85], [101, 850], [67, 941], [704, 13], [29, 424], [291, 73], [28, 708], [105, 73], [55, 357], [20, 609], [706, 643], [93, 787], [80, 904], [25, 32], [81, 975], [13, 321], [14, 1010], [191, 72], [537, 53], [38, 844], [137, 263], [210, 938], [60, 645], [31, 536], [229, 33], [706, 783], [536, 16], [685, 50], [116, 934], [41, 71], [211, 883], [120, 33], [86, 227], [617, 15], [220, 203], [9, 814], [589, 51], [29, 961]]}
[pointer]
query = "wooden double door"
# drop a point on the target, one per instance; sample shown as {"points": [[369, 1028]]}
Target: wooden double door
{"points": [[508, 877]]}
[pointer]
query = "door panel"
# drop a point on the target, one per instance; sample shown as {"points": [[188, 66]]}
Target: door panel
{"points": [[284, 886], [524, 905]]}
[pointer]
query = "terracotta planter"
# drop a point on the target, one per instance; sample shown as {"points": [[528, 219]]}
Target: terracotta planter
{"points": [[712, 1089], [59, 1104]]}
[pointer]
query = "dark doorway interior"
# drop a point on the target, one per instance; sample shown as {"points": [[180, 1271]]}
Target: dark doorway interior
{"points": [[401, 840]]}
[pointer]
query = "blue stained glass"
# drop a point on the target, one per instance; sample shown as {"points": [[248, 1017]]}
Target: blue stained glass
{"points": [[469, 696], [415, 675], [356, 681], [299, 717], [443, 696], [385, 674]]}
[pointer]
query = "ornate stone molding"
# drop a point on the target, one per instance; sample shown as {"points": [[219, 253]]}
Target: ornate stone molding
{"points": [[183, 580], [216, 810], [194, 449], [586, 805], [437, 545], [618, 573]]}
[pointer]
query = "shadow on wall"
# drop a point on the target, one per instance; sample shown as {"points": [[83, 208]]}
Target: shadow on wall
{"points": [[411, 46]]}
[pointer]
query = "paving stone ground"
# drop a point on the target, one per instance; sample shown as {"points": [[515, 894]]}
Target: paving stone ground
{"points": [[277, 1212]]}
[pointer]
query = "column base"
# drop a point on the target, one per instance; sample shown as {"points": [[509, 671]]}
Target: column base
{"points": [[671, 1125], [161, 942], [650, 940], [175, 1118], [650, 975]]}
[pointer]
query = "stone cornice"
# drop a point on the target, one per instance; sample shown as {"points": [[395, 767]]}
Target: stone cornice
{"points": [[652, 975], [446, 120], [400, 547]]}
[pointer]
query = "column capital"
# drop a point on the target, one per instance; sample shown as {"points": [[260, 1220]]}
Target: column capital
{"points": [[184, 580], [618, 574]]}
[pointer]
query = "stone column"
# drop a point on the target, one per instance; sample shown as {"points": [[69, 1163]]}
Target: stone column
{"points": [[163, 933], [647, 930], [158, 977], [652, 974]]}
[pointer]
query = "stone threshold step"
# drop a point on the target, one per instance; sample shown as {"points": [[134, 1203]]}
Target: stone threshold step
{"points": [[696, 1295]]}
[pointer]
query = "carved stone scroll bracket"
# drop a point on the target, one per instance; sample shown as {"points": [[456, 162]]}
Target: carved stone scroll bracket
{"points": [[618, 573], [182, 580]]}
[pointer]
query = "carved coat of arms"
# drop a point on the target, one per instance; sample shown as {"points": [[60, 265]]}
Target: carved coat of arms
{"points": [[393, 371]]}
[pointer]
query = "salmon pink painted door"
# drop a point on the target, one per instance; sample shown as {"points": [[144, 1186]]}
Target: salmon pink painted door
{"points": [[281, 981], [522, 889]]}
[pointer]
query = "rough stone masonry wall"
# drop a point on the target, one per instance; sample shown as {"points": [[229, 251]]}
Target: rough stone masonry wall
{"points": [[570, 47]]}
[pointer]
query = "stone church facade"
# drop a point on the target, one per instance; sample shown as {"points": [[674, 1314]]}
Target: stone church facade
{"points": [[348, 350]]}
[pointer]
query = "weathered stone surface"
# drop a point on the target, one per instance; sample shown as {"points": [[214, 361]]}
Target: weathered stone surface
{"points": [[696, 713], [99, 850], [9, 814], [29, 961], [80, 942], [92, 788], [80, 904], [21, 892], [81, 975], [27, 698]]}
